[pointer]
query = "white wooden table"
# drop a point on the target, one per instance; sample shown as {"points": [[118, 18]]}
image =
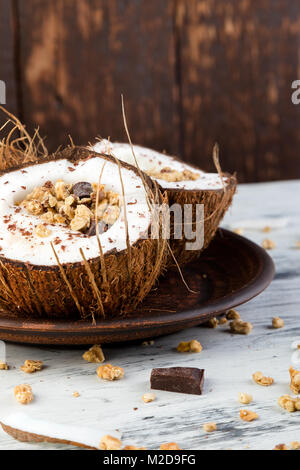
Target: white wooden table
{"points": [[229, 361]]}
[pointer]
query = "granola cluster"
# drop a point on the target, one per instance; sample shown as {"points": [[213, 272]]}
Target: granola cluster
{"points": [[295, 381], [170, 446], [109, 372], [3, 365], [277, 323], [281, 447], [74, 206], [23, 394], [268, 244], [245, 398], [149, 397], [209, 427], [134, 448], [30, 367], [260, 379], [236, 324], [295, 445], [241, 327], [190, 346], [173, 176], [289, 403], [110, 443], [248, 416], [233, 315], [212, 323], [94, 355]]}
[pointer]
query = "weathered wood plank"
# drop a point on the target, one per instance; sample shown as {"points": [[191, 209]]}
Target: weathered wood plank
{"points": [[238, 61], [77, 59], [7, 57]]}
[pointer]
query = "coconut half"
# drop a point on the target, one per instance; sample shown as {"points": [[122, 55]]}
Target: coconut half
{"points": [[68, 273], [184, 184]]}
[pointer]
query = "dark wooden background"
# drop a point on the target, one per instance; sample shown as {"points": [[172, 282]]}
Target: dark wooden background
{"points": [[192, 72]]}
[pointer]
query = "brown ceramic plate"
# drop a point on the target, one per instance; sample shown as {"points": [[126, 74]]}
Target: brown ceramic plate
{"points": [[229, 273]]}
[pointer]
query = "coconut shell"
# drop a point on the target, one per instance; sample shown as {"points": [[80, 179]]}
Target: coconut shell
{"points": [[78, 290], [216, 203]]}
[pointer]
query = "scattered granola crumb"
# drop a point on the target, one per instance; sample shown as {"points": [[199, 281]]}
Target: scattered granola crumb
{"points": [[170, 446], [260, 379], [277, 323], [76, 394], [148, 343], [267, 229], [289, 403], [190, 346], [133, 448], [233, 315], [298, 245], [109, 372], [248, 416], [94, 355], [241, 327], [295, 445], [239, 231], [295, 381], [268, 244], [110, 443], [23, 394], [245, 398], [30, 367], [210, 427], [149, 397], [223, 321], [3, 366], [173, 176], [42, 231], [281, 447], [212, 323]]}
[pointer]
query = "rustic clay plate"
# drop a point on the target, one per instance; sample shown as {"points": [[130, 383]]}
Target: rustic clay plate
{"points": [[229, 273]]}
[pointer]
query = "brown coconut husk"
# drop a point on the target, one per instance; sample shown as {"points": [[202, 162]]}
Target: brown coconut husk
{"points": [[216, 203], [110, 285], [17, 147]]}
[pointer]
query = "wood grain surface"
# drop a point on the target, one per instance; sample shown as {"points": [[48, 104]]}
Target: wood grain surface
{"points": [[238, 60], [229, 361], [192, 72], [79, 57], [8, 57]]}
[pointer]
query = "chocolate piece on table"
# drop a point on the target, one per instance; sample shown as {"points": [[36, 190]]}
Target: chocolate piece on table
{"points": [[82, 190], [188, 380]]}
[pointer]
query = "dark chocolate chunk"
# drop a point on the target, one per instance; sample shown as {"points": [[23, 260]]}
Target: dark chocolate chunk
{"points": [[82, 190], [178, 379], [92, 230]]}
